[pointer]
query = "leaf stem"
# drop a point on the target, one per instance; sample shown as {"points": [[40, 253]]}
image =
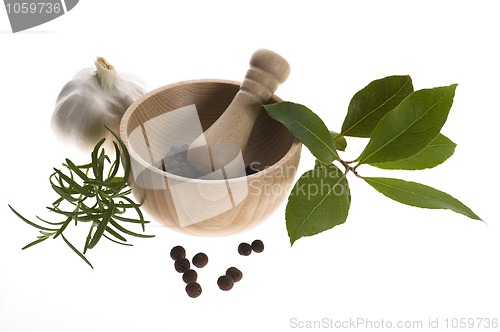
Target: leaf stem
{"points": [[349, 168]]}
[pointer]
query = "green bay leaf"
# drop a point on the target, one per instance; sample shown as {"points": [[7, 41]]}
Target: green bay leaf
{"points": [[410, 127], [419, 195], [305, 126], [434, 154], [374, 101], [319, 201], [339, 142]]}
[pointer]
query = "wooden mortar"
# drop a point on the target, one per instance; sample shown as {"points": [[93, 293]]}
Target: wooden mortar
{"points": [[206, 207]]}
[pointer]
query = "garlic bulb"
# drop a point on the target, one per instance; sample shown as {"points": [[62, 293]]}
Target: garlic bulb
{"points": [[93, 99]]}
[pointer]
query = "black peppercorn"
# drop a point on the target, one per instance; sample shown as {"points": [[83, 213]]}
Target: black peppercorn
{"points": [[182, 265], [234, 273], [177, 252], [190, 276], [225, 282], [200, 260], [193, 289], [244, 249], [258, 246]]}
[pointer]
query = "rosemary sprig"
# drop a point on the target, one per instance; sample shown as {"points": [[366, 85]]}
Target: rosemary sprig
{"points": [[90, 195]]}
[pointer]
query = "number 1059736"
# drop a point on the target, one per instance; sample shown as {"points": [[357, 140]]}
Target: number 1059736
{"points": [[34, 8], [471, 323]]}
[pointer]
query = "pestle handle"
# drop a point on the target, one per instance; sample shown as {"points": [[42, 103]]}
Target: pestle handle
{"points": [[227, 136], [267, 70]]}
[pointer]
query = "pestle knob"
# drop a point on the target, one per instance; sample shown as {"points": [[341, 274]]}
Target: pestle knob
{"points": [[220, 145]]}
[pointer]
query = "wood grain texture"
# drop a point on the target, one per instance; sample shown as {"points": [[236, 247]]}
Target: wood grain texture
{"points": [[206, 207], [267, 70]]}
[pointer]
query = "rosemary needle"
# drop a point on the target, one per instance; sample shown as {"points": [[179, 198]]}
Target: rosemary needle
{"points": [[88, 194]]}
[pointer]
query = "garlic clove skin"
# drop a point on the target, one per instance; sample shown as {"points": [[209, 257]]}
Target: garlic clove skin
{"points": [[94, 98]]}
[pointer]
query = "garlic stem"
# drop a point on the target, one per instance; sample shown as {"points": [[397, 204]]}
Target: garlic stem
{"points": [[106, 74]]}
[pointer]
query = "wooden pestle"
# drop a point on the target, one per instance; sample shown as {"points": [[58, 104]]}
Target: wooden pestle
{"points": [[220, 144]]}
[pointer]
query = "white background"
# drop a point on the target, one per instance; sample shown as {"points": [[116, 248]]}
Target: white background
{"points": [[388, 261]]}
